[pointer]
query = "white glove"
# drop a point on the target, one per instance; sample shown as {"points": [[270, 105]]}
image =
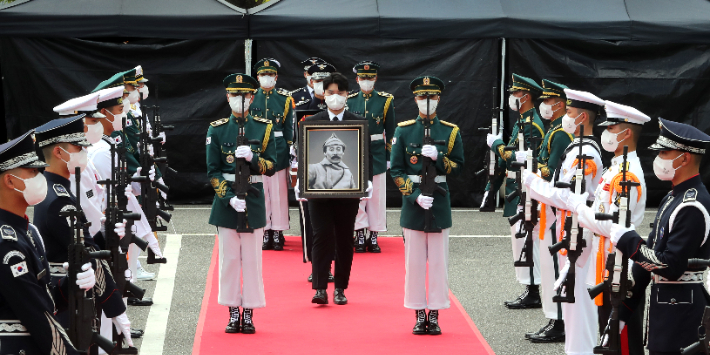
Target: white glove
{"points": [[120, 229], [430, 151], [162, 135], [575, 200], [563, 275], [388, 165], [134, 188], [153, 245], [244, 151], [151, 173], [485, 198], [528, 177], [123, 326], [617, 231], [237, 204], [165, 196], [521, 157], [292, 150], [490, 138], [297, 192], [605, 339], [368, 190], [86, 279], [151, 151], [425, 201]]}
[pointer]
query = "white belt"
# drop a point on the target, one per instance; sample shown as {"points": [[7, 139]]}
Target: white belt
{"points": [[512, 174], [418, 179], [693, 277], [376, 137], [278, 134], [252, 178]]}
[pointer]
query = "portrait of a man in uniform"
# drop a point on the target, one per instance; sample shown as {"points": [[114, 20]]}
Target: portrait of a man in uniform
{"points": [[331, 173]]}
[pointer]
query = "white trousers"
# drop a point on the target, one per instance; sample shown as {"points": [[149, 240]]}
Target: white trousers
{"points": [[372, 213], [522, 274], [421, 249], [106, 330], [276, 200], [133, 253], [240, 253], [581, 324], [548, 272]]}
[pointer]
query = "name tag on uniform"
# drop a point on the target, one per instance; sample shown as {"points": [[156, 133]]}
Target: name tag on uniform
{"points": [[606, 187]]}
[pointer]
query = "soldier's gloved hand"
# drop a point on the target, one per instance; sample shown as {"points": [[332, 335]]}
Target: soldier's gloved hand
{"points": [[151, 173], [238, 204], [618, 230], [165, 196], [163, 137], [244, 151], [154, 245], [605, 338], [368, 190], [521, 157], [151, 151], [430, 151], [575, 200], [123, 326], [120, 229], [490, 138], [292, 151], [388, 165], [563, 275], [425, 201], [297, 192], [85, 279]]}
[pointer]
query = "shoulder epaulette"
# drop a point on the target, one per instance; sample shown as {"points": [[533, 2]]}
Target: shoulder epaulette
{"points": [[263, 120], [353, 94], [283, 92], [303, 102], [447, 123], [297, 90], [385, 94], [690, 195], [219, 122], [406, 123]]}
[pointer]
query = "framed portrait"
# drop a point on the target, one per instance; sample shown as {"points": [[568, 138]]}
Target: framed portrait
{"points": [[333, 159]]}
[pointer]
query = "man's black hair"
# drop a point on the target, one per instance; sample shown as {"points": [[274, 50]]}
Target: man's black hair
{"points": [[338, 79]]}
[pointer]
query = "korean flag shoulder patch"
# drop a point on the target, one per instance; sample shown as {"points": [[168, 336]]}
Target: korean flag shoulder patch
{"points": [[209, 141], [19, 269], [118, 140]]}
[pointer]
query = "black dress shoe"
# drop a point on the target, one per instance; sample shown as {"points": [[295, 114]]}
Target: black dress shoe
{"points": [[433, 322], [529, 334], [278, 240], [248, 321], [321, 297], [136, 333], [310, 277], [268, 242], [372, 245], [420, 325], [360, 241], [553, 333], [331, 278], [339, 297], [233, 326], [530, 298], [145, 301]]}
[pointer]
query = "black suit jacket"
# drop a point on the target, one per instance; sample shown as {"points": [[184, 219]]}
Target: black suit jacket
{"points": [[347, 116]]}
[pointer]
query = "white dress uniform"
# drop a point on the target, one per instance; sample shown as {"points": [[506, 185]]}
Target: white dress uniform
{"points": [[371, 213], [276, 200]]}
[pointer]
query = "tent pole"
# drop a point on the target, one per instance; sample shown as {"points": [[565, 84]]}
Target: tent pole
{"points": [[247, 56], [502, 93]]}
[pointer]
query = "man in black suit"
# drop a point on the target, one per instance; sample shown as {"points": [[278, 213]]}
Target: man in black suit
{"points": [[333, 219]]}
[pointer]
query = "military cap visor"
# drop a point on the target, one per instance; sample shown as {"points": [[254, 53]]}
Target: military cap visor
{"points": [[62, 130], [110, 97], [552, 89], [618, 113], [321, 71], [267, 65], [311, 61], [427, 85], [366, 68], [521, 83], [240, 83], [584, 100], [86, 103], [20, 153], [679, 136]]}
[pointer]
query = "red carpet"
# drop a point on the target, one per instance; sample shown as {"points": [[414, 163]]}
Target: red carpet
{"points": [[373, 322]]}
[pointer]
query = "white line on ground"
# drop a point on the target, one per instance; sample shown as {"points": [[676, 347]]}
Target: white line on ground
{"points": [[157, 323], [381, 235]]}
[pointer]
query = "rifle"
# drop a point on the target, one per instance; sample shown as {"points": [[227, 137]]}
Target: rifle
{"points": [[242, 173], [617, 267], [82, 312], [428, 185], [701, 346], [159, 151], [490, 163], [573, 240]]}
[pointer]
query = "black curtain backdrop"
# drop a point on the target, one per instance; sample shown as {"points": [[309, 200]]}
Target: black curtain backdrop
{"points": [[661, 80], [186, 75], [469, 69]]}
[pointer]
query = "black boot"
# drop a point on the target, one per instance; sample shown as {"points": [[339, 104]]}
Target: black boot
{"points": [[339, 297], [268, 243], [233, 325], [529, 334], [360, 241], [278, 240], [530, 298], [321, 297], [420, 325], [248, 322], [372, 246], [552, 333], [433, 322]]}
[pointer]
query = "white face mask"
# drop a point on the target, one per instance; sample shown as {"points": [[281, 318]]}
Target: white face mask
{"points": [[235, 103], [546, 110], [267, 82], [664, 168], [366, 85], [432, 106], [335, 102], [514, 102], [127, 104], [308, 80], [35, 189], [609, 142], [94, 133], [568, 123], [78, 159], [116, 121], [134, 96], [144, 90], [318, 88]]}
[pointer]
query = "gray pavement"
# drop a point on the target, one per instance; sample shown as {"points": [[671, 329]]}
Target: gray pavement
{"points": [[480, 272]]}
